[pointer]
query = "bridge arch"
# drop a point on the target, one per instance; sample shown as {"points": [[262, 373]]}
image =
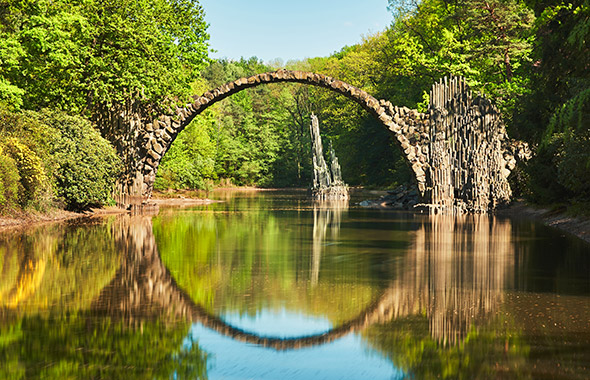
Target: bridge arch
{"points": [[144, 288], [458, 150], [405, 124]]}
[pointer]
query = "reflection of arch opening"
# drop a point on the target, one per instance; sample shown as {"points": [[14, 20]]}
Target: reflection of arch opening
{"points": [[144, 287]]}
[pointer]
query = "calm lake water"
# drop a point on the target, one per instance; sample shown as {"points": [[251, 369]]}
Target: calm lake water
{"points": [[269, 285]]}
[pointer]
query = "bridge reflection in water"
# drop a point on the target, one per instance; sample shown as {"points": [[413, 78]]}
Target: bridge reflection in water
{"points": [[454, 273], [416, 291]]}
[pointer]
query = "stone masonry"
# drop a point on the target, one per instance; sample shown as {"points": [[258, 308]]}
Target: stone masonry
{"points": [[417, 134]]}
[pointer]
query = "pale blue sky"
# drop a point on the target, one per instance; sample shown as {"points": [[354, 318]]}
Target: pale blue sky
{"points": [[290, 29]]}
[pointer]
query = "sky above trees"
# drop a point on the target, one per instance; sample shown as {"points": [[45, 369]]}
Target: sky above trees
{"points": [[290, 30]]}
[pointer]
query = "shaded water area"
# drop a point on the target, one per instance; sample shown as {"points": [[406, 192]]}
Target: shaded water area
{"points": [[271, 285]]}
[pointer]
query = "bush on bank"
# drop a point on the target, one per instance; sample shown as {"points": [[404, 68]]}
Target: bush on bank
{"points": [[561, 169], [50, 159]]}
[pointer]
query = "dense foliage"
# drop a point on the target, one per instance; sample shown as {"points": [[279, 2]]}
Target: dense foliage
{"points": [[49, 158], [84, 58], [77, 55]]}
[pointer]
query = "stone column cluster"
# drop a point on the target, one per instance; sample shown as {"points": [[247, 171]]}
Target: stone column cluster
{"points": [[471, 155], [327, 181]]}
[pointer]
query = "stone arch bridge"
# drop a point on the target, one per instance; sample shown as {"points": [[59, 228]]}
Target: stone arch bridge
{"points": [[458, 150]]}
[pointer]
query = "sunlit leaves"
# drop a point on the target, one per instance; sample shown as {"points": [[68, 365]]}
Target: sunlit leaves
{"points": [[74, 55]]}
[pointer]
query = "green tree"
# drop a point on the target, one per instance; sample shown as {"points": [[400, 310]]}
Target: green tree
{"points": [[83, 55], [86, 164], [555, 114]]}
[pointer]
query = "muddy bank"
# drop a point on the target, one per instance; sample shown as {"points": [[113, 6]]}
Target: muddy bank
{"points": [[29, 219], [577, 226]]}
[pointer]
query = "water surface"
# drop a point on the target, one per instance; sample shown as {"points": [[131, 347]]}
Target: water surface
{"points": [[270, 285]]}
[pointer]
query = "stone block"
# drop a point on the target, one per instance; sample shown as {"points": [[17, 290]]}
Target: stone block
{"points": [[154, 155], [372, 103], [395, 127], [165, 136], [150, 161], [384, 118], [156, 147]]}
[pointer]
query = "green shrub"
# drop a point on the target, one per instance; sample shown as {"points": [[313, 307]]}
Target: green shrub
{"points": [[9, 182], [56, 157], [27, 141], [86, 164], [30, 169], [543, 184], [572, 117], [573, 163], [561, 169]]}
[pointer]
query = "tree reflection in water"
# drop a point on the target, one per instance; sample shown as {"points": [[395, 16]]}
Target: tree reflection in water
{"points": [[96, 301], [53, 322]]}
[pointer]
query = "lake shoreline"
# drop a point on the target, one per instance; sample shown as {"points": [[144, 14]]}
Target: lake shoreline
{"points": [[577, 226], [25, 219]]}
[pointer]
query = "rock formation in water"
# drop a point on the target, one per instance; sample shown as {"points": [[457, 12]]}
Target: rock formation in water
{"points": [[327, 182]]}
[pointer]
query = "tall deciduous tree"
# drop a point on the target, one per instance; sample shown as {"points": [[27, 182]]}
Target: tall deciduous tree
{"points": [[79, 54]]}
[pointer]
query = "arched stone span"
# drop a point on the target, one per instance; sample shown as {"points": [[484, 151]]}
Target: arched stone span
{"points": [[459, 151], [402, 121]]}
